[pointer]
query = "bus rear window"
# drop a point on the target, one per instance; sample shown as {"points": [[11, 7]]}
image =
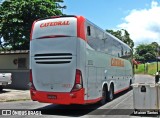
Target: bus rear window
{"points": [[55, 27]]}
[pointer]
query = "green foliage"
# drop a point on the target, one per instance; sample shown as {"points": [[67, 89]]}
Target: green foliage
{"points": [[151, 69], [146, 52], [140, 69], [123, 35], [17, 16]]}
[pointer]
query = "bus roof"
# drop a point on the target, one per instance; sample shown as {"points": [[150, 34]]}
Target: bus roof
{"points": [[81, 17]]}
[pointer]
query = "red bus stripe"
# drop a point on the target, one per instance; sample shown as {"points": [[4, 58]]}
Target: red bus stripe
{"points": [[53, 36], [32, 29], [81, 27], [121, 90]]}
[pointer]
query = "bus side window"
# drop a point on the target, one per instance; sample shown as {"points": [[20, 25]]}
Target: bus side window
{"points": [[88, 30], [122, 50]]}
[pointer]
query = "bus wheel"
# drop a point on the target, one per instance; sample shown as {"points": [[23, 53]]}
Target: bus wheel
{"points": [[130, 85], [111, 94], [104, 96]]}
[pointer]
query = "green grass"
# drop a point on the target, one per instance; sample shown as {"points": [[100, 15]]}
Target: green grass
{"points": [[152, 68]]}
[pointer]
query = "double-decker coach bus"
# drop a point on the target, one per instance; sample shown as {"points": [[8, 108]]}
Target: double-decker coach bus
{"points": [[72, 61]]}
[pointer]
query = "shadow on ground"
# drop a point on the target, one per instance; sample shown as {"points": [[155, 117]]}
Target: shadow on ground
{"points": [[4, 91], [77, 110]]}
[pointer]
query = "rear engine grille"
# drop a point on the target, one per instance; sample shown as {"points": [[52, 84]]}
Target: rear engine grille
{"points": [[53, 58]]}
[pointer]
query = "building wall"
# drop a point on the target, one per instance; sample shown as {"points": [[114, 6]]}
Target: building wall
{"points": [[20, 75], [6, 61]]}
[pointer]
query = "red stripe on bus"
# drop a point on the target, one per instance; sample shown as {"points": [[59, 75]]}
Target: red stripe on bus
{"points": [[62, 97], [81, 27], [53, 36], [121, 90], [32, 29], [58, 97]]}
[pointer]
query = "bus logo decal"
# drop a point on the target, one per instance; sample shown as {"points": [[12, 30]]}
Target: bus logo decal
{"points": [[117, 62], [58, 23]]}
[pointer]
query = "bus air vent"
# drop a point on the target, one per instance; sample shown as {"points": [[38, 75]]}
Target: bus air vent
{"points": [[53, 58]]}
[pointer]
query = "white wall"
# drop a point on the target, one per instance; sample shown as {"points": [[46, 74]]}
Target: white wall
{"points": [[6, 61]]}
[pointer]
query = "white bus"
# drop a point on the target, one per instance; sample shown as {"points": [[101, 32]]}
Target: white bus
{"points": [[72, 61]]}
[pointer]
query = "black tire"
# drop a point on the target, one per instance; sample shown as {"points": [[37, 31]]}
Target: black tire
{"points": [[110, 95], [1, 88], [104, 96], [130, 87]]}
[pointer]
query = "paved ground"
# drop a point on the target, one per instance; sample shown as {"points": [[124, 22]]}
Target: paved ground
{"points": [[17, 95], [120, 107], [14, 95]]}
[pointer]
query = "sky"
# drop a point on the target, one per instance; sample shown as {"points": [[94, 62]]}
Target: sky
{"points": [[1, 1], [141, 18]]}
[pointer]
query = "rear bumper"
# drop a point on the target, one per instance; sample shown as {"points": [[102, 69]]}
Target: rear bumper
{"points": [[4, 83], [59, 97]]}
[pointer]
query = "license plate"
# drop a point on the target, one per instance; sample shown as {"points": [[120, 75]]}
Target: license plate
{"points": [[5, 83], [52, 96]]}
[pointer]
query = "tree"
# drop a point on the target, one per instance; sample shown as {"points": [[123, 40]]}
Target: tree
{"points": [[123, 35], [157, 47], [145, 52], [17, 16]]}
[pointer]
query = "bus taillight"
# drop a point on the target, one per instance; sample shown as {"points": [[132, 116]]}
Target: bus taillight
{"points": [[78, 81]]}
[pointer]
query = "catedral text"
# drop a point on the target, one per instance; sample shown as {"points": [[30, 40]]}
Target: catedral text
{"points": [[59, 23], [117, 62]]}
